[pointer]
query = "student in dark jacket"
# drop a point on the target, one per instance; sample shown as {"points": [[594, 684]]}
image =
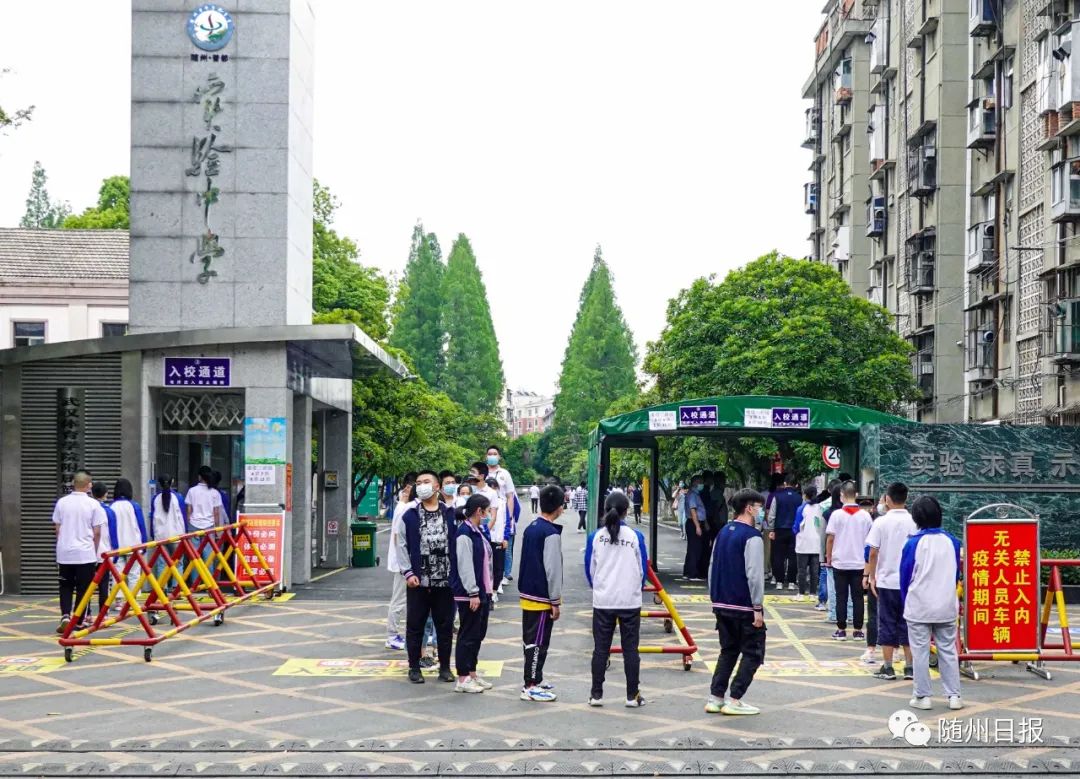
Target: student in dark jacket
{"points": [[540, 577], [428, 565], [472, 584], [786, 502], [737, 588]]}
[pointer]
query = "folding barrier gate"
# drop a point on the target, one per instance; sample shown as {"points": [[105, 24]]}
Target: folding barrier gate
{"points": [[671, 618], [1059, 651], [214, 561]]}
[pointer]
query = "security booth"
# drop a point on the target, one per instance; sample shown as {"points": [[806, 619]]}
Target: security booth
{"points": [[776, 417], [270, 408]]}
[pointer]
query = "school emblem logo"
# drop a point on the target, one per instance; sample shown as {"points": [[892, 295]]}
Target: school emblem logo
{"points": [[210, 27]]}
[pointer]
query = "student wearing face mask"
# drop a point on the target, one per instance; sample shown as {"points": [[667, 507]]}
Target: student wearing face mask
{"points": [[696, 563], [464, 492], [428, 565], [449, 487], [498, 533]]}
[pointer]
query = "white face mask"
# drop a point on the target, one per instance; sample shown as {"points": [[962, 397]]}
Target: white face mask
{"points": [[881, 508], [424, 491]]}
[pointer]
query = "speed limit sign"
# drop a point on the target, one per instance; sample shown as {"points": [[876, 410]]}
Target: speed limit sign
{"points": [[831, 457]]}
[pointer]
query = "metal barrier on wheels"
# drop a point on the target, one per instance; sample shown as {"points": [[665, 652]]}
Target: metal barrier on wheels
{"points": [[672, 620], [222, 564]]}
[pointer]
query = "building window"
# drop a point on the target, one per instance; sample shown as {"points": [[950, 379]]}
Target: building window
{"points": [[113, 328], [28, 333]]}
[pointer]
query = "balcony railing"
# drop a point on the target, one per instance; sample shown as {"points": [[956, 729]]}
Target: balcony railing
{"points": [[980, 252], [982, 124], [982, 20], [1066, 327], [1065, 191], [813, 128]]}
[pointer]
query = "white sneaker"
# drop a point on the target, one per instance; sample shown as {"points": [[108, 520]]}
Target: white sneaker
{"points": [[495, 598], [792, 587], [483, 682], [737, 708], [596, 703], [636, 702], [469, 685], [922, 703], [869, 657], [955, 703]]}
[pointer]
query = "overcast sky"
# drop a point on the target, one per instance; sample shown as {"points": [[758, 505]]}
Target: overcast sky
{"points": [[666, 131]]}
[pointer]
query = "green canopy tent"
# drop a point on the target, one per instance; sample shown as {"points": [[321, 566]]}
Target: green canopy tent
{"points": [[743, 416]]}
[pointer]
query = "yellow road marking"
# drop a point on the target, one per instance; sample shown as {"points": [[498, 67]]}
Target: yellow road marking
{"points": [[364, 668], [789, 634]]}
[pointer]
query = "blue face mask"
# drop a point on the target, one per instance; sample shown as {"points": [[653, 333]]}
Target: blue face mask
{"points": [[699, 487], [450, 489], [492, 460]]}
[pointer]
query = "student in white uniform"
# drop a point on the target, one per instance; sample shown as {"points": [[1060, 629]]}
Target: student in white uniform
{"points": [[79, 521], [129, 529], [205, 511], [168, 519]]}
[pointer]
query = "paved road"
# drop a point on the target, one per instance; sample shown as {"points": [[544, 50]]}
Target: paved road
{"points": [[305, 686]]}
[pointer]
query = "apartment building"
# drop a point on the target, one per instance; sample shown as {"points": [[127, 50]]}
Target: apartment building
{"points": [[1023, 293], [529, 412], [908, 153]]}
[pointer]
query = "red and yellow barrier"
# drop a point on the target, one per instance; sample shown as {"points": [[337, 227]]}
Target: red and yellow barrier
{"points": [[1056, 651], [203, 564], [671, 619]]}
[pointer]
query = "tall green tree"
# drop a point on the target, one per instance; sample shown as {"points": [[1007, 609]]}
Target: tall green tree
{"points": [[41, 211], [597, 369], [473, 374], [418, 310], [112, 211], [780, 326], [344, 290]]}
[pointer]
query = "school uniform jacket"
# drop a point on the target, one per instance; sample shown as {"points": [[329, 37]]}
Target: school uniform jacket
{"points": [[127, 527], [177, 500], [540, 575], [473, 552], [616, 570], [409, 543]]}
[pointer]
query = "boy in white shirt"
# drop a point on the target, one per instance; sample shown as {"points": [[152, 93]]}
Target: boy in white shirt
{"points": [[844, 553], [79, 520], [807, 530], [929, 570], [886, 540], [396, 610]]}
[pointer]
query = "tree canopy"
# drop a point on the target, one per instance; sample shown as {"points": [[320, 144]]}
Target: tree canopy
{"points": [[597, 370], [473, 374], [780, 326], [42, 212], [112, 211], [11, 120], [418, 311], [343, 290]]}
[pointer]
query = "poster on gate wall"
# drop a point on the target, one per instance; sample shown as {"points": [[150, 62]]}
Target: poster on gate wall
{"points": [[267, 531], [1001, 584]]}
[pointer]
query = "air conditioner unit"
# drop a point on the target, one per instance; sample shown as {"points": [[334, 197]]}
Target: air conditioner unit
{"points": [[988, 233], [987, 336]]}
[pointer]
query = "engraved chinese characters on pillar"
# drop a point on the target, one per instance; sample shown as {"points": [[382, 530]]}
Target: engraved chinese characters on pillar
{"points": [[206, 151]]}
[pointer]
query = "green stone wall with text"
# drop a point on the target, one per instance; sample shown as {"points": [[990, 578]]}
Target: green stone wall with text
{"points": [[969, 466]]}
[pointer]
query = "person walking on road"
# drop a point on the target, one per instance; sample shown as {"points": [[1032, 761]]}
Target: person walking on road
{"points": [[473, 587], [737, 589], [499, 531], [534, 498], [395, 625], [99, 490], [845, 555], [428, 566], [168, 519], [696, 563], [79, 521], [786, 502], [808, 532], [887, 538], [678, 508], [616, 567], [540, 583], [581, 506], [929, 571], [637, 497], [513, 506], [127, 528]]}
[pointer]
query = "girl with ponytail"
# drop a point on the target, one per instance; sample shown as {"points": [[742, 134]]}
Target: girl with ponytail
{"points": [[616, 566]]}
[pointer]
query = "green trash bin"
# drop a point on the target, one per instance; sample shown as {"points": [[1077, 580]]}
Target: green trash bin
{"points": [[363, 544]]}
